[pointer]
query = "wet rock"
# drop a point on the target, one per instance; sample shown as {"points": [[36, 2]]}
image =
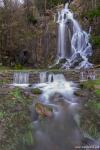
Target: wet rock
{"points": [[43, 111], [62, 61], [79, 93], [36, 91], [30, 85], [88, 141], [57, 98], [76, 60], [56, 66], [26, 93]]}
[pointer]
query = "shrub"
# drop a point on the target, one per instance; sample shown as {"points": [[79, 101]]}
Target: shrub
{"points": [[95, 40], [93, 13]]}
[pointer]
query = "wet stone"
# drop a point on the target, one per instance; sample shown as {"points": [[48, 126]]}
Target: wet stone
{"points": [[36, 91], [79, 93], [43, 110]]}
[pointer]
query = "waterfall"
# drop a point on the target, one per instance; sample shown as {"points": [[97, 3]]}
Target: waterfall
{"points": [[55, 77], [55, 83], [21, 78], [58, 100], [43, 77], [51, 77], [76, 47]]}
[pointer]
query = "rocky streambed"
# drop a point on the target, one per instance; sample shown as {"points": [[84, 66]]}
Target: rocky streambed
{"points": [[23, 115]]}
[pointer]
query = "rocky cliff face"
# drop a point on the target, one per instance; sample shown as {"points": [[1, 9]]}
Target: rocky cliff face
{"points": [[87, 13], [30, 37]]}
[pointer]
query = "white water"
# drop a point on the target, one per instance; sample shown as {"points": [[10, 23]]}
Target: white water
{"points": [[56, 83], [21, 79], [87, 74], [79, 40], [58, 95], [43, 77]]}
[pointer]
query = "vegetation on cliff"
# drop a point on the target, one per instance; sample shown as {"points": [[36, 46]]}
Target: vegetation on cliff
{"points": [[24, 27]]}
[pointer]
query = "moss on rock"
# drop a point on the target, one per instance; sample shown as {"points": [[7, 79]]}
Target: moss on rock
{"points": [[36, 91]]}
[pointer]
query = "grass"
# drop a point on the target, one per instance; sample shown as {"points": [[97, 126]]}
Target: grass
{"points": [[95, 40], [91, 108], [94, 105], [2, 114], [90, 84], [97, 92], [16, 93], [97, 82], [90, 118], [87, 85], [15, 119], [92, 13], [93, 130], [28, 138]]}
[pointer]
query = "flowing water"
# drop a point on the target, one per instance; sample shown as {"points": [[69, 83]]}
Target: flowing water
{"points": [[61, 131], [43, 77], [21, 79], [73, 42]]}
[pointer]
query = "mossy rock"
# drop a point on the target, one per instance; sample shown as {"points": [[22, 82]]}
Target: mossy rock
{"points": [[62, 61], [36, 91], [78, 93], [87, 85], [43, 110]]}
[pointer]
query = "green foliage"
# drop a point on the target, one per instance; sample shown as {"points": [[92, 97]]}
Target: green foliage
{"points": [[15, 119], [87, 85], [28, 138], [36, 91], [3, 81], [97, 92], [93, 13], [52, 3], [2, 114], [90, 84], [18, 67], [49, 4], [93, 131], [97, 81], [32, 19], [90, 118], [17, 93], [95, 40], [93, 105]]}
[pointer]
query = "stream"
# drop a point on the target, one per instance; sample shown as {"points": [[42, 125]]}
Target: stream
{"points": [[60, 131]]}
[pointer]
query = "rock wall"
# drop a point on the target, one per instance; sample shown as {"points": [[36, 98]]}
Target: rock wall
{"points": [[34, 77]]}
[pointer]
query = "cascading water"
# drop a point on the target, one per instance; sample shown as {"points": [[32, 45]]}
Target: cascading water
{"points": [[43, 77], [21, 79], [73, 42], [50, 77], [61, 130]]}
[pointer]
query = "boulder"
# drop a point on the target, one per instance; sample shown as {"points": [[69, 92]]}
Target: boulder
{"points": [[79, 93], [76, 60], [62, 61], [36, 91], [43, 110]]}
